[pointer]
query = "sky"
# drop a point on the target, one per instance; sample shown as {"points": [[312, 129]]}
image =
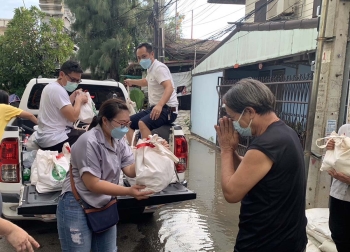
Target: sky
{"points": [[207, 18]]}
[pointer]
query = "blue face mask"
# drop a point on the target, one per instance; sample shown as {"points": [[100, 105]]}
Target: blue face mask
{"points": [[145, 63], [71, 86], [119, 132], [246, 132]]}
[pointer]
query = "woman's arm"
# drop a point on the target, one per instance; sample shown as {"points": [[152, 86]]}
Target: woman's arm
{"points": [[130, 171], [96, 185], [236, 184]]}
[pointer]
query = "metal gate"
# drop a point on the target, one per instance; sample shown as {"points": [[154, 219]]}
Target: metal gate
{"points": [[292, 102]]}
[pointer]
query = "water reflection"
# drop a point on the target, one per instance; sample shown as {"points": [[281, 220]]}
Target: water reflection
{"points": [[185, 230], [208, 223]]}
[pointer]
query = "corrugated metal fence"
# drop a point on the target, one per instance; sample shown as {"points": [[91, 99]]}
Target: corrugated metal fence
{"points": [[292, 101]]}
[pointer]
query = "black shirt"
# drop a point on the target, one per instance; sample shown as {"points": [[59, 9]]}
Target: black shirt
{"points": [[272, 217]]}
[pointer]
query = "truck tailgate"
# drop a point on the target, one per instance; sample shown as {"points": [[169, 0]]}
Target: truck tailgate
{"points": [[34, 203]]}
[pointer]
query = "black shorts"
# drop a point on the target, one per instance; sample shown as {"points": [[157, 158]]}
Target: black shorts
{"points": [[145, 117]]}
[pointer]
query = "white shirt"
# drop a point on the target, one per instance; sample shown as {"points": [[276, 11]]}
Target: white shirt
{"points": [[156, 74], [52, 125], [340, 190]]}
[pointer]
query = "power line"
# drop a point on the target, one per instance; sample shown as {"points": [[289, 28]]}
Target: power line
{"points": [[203, 12], [217, 18], [232, 27]]}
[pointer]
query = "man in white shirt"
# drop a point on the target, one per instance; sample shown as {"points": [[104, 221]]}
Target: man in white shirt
{"points": [[339, 202], [58, 111], [161, 94]]}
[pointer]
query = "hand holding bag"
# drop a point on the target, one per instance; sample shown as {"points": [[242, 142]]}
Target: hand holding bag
{"points": [[339, 158], [87, 110], [98, 219]]}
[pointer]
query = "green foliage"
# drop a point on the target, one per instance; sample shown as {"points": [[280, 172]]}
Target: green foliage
{"points": [[171, 26], [31, 46], [108, 32], [137, 96]]}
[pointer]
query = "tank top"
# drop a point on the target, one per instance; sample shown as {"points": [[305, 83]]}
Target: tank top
{"points": [[272, 217]]}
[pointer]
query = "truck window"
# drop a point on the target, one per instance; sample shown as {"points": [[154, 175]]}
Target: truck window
{"points": [[99, 94]]}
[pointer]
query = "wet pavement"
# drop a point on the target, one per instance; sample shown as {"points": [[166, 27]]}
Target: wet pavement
{"points": [[208, 223]]}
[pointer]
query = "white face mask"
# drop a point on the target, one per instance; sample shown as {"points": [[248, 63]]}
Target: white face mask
{"points": [[246, 132], [70, 86]]}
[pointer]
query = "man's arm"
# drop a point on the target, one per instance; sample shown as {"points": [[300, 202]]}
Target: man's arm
{"points": [[72, 112], [168, 90], [74, 95], [140, 83]]}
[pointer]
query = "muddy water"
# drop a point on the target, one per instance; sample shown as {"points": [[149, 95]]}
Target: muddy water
{"points": [[208, 223]]}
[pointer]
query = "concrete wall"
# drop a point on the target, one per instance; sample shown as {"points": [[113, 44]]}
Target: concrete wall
{"points": [[204, 106]]}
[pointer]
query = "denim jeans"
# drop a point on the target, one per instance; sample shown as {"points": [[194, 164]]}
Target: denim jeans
{"points": [[74, 232]]}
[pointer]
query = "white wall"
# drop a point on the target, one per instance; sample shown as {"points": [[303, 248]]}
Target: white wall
{"points": [[204, 105]]}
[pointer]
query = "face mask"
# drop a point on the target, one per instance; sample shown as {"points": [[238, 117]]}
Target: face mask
{"points": [[119, 132], [71, 86], [246, 132], [145, 63]]}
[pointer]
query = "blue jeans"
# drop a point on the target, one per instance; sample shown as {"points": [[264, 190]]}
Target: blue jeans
{"points": [[74, 232]]}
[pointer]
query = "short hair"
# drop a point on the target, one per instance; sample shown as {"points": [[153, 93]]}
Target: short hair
{"points": [[250, 93], [71, 66], [148, 46], [4, 97]]}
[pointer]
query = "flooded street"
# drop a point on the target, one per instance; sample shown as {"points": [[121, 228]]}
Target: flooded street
{"points": [[208, 223]]}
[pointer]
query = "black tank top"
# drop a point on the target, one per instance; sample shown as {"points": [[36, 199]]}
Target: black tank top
{"points": [[272, 217]]}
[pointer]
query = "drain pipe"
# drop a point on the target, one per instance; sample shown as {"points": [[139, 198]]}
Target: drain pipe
{"points": [[345, 88], [314, 91]]}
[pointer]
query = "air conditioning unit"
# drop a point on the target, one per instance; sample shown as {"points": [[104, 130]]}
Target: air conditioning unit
{"points": [[280, 8]]}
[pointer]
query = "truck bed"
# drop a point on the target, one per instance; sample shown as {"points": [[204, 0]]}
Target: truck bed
{"points": [[34, 203]]}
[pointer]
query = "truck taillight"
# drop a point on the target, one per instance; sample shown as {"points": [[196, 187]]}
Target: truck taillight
{"points": [[9, 161], [181, 151]]}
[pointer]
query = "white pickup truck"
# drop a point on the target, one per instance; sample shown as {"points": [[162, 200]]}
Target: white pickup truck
{"points": [[22, 201]]}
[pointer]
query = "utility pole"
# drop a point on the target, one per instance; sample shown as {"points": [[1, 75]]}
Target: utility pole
{"points": [[161, 45], [175, 19], [192, 26], [195, 56], [156, 28], [327, 92]]}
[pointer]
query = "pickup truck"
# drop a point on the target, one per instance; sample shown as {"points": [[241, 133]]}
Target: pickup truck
{"points": [[22, 201]]}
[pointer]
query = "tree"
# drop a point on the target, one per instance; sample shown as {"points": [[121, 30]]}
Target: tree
{"points": [[31, 46], [173, 30], [107, 31]]}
